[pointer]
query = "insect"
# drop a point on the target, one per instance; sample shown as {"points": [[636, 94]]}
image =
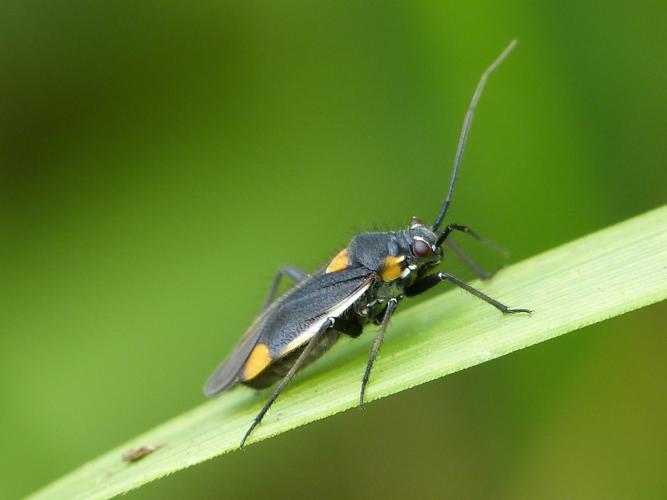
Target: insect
{"points": [[363, 283]]}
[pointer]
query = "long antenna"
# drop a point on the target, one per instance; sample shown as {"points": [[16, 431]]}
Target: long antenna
{"points": [[466, 128]]}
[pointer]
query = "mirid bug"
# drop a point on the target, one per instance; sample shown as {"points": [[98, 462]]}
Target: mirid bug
{"points": [[363, 283]]}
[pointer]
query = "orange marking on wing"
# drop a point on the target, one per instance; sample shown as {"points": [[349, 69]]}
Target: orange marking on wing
{"points": [[339, 262], [258, 360], [391, 268]]}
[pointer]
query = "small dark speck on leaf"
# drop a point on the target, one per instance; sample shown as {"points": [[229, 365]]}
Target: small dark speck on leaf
{"points": [[139, 453]]}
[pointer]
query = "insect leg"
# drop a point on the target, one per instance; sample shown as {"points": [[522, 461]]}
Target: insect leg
{"points": [[289, 271], [430, 281], [465, 229], [351, 328], [328, 324], [469, 263], [377, 342]]}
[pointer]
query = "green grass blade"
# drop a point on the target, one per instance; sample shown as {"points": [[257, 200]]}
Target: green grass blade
{"points": [[589, 280]]}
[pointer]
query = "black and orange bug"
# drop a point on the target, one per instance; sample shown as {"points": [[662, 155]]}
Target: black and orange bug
{"points": [[363, 283]]}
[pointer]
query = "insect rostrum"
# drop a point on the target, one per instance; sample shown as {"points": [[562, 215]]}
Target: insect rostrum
{"points": [[363, 283]]}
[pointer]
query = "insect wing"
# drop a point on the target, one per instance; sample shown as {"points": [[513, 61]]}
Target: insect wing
{"points": [[224, 376], [302, 315], [289, 323]]}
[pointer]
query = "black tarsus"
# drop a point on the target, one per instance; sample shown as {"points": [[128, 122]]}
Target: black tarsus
{"points": [[377, 342], [328, 324], [430, 281], [291, 272], [464, 132]]}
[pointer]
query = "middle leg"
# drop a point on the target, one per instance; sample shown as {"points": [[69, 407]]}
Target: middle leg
{"points": [[377, 342]]}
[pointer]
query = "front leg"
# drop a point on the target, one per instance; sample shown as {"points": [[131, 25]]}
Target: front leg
{"points": [[465, 229], [469, 263], [430, 281]]}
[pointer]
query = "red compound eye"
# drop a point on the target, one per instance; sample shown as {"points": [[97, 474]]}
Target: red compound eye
{"points": [[420, 248]]}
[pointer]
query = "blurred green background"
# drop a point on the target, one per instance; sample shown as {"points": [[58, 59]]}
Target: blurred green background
{"points": [[159, 161]]}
